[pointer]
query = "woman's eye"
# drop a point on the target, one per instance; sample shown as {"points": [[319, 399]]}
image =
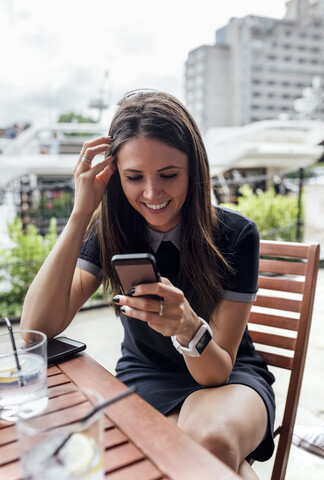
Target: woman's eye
{"points": [[172, 175], [134, 179]]}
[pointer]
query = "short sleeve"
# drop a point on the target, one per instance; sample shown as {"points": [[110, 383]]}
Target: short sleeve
{"points": [[240, 245], [243, 286], [89, 257]]}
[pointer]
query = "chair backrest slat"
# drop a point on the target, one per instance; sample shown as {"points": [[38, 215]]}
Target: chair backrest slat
{"points": [[281, 284], [276, 360], [287, 267], [287, 249], [279, 341], [278, 303], [279, 323]]}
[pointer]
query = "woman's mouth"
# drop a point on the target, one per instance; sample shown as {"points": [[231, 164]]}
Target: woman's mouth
{"points": [[156, 207]]}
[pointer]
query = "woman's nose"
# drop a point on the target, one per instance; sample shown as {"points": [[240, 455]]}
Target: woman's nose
{"points": [[151, 189]]}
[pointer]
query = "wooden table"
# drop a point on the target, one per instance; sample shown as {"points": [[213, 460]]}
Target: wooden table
{"points": [[140, 443]]}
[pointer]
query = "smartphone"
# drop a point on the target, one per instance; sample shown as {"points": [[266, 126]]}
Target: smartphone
{"points": [[135, 268], [60, 348]]}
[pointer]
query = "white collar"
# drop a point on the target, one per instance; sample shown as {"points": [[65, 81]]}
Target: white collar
{"points": [[155, 237]]}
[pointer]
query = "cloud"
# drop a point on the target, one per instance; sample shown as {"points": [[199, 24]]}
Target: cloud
{"points": [[55, 52]]}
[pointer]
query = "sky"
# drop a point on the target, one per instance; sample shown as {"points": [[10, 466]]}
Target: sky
{"points": [[59, 55]]}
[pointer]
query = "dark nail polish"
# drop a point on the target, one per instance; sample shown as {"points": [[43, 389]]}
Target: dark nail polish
{"points": [[132, 291], [123, 309], [116, 299]]}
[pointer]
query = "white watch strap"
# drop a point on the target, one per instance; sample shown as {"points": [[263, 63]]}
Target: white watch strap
{"points": [[191, 350]]}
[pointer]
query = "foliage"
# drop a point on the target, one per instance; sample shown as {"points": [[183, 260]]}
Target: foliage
{"points": [[58, 205], [73, 117], [20, 263], [275, 215]]}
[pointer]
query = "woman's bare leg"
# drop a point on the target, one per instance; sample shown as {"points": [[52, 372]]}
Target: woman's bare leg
{"points": [[229, 421], [246, 471]]}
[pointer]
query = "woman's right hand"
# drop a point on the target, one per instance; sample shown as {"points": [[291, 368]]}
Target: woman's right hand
{"points": [[91, 182]]}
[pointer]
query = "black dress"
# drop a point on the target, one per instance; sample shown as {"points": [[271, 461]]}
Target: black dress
{"points": [[151, 363]]}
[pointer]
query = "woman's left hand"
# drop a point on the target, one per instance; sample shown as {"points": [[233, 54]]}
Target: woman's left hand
{"points": [[170, 316]]}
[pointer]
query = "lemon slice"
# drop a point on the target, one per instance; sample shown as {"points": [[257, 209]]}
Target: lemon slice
{"points": [[8, 379], [80, 452], [7, 368], [8, 365]]}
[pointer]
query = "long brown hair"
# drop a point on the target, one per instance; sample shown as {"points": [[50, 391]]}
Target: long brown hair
{"points": [[160, 116]]}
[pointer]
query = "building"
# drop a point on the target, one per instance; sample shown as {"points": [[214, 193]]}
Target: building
{"points": [[257, 68]]}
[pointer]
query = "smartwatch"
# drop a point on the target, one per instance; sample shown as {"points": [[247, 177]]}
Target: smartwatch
{"points": [[198, 343]]}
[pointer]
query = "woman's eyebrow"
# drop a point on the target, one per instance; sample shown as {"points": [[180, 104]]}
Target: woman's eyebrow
{"points": [[131, 170], [134, 170], [168, 167]]}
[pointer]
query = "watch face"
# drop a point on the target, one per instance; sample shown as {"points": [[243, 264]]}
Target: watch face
{"points": [[203, 342]]}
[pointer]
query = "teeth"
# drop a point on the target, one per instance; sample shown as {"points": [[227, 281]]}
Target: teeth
{"points": [[156, 207]]}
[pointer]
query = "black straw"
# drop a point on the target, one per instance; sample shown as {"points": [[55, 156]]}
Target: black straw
{"points": [[13, 343], [102, 405]]}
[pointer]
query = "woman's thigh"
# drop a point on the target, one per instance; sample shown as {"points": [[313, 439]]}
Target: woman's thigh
{"points": [[231, 420]]}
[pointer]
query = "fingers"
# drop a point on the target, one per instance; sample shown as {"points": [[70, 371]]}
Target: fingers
{"points": [[163, 289], [138, 303], [165, 316], [106, 173], [90, 150]]}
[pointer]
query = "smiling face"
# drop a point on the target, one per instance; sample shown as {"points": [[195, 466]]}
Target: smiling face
{"points": [[154, 178]]}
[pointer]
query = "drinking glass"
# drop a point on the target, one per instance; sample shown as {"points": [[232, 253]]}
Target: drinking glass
{"points": [[23, 373], [55, 444]]}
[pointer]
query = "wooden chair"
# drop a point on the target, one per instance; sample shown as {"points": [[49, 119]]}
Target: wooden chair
{"points": [[280, 322]]}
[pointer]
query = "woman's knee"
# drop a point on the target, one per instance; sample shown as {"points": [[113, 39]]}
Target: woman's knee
{"points": [[219, 439]]}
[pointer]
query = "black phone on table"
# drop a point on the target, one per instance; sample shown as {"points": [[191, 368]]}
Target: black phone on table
{"points": [[60, 348], [135, 268]]}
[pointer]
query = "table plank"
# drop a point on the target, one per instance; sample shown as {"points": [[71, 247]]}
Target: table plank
{"points": [[121, 456], [9, 453], [138, 471], [174, 452], [11, 471], [7, 434]]}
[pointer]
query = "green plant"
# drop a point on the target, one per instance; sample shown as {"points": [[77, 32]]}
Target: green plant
{"points": [[20, 263], [274, 215], [58, 205]]}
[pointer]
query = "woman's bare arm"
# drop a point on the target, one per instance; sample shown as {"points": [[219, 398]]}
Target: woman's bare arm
{"points": [[59, 289], [228, 323]]}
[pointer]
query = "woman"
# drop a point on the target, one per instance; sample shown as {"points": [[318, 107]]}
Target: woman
{"points": [[190, 356]]}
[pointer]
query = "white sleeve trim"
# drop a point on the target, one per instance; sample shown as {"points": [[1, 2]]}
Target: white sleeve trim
{"points": [[239, 297], [89, 267]]}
